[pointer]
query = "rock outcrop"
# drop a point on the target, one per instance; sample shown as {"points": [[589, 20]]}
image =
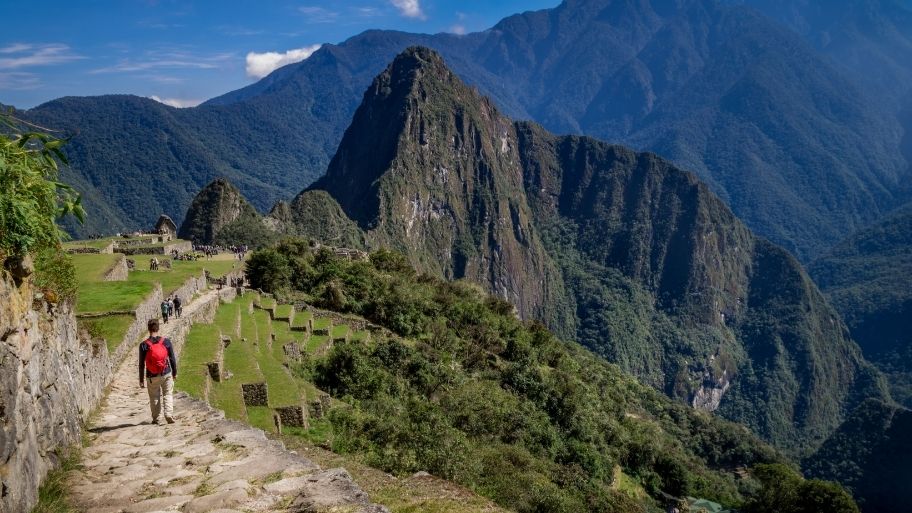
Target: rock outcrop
{"points": [[214, 208]]}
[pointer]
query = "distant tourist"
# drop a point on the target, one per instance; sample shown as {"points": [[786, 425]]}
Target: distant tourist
{"points": [[178, 308], [158, 364], [153, 264], [165, 310]]}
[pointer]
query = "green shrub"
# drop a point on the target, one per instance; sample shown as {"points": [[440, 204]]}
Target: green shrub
{"points": [[54, 271]]}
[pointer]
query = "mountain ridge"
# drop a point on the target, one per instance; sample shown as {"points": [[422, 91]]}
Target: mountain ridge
{"points": [[636, 259], [756, 154]]}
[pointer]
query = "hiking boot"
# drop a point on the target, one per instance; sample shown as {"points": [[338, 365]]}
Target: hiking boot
{"points": [[170, 420], [155, 421]]}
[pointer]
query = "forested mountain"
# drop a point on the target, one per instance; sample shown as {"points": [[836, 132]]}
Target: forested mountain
{"points": [[868, 278], [621, 251], [796, 148], [870, 39], [870, 454]]}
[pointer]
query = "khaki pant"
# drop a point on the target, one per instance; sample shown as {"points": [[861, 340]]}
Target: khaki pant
{"points": [[161, 390]]}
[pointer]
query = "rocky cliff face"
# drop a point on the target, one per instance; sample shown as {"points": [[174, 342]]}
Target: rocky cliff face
{"points": [[215, 208], [50, 380], [431, 168], [630, 255]]}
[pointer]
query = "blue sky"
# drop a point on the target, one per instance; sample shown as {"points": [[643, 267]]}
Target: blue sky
{"points": [[184, 52]]}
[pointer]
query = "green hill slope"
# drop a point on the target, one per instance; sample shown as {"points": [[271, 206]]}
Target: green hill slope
{"points": [[868, 278]]}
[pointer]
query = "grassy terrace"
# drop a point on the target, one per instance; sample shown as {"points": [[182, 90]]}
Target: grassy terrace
{"points": [[98, 297], [260, 358]]}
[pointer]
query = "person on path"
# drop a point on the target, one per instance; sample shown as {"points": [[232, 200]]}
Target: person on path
{"points": [[171, 306], [158, 364], [177, 306], [165, 310]]}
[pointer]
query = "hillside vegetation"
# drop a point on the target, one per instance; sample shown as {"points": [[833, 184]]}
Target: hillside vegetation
{"points": [[463, 389], [868, 278]]}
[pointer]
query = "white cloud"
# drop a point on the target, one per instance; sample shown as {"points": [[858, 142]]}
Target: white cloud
{"points": [[22, 55], [318, 14], [409, 8], [261, 64], [180, 103], [156, 60], [458, 29], [19, 81]]}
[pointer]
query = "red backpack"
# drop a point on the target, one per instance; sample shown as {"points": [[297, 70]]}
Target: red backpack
{"points": [[156, 355]]}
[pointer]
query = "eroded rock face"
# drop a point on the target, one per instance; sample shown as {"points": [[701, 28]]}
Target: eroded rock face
{"points": [[50, 379]]}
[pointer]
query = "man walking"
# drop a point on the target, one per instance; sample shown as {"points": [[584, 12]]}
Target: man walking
{"points": [[165, 310], [178, 308], [158, 365]]}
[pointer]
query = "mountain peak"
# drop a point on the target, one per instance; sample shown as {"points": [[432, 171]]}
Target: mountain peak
{"points": [[215, 206], [415, 103]]}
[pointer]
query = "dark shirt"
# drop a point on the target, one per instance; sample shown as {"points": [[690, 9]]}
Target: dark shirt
{"points": [[170, 366]]}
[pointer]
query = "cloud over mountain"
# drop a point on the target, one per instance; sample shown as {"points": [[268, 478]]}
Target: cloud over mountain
{"points": [[261, 64]]}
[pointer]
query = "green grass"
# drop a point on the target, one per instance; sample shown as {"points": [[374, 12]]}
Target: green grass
{"points": [[266, 302], [92, 267], [301, 318], [360, 336], [107, 296], [95, 243], [181, 271], [316, 342], [339, 331], [52, 495], [200, 348], [283, 311], [322, 323], [111, 328]]}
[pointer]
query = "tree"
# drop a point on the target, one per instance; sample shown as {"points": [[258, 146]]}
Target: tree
{"points": [[785, 491]]}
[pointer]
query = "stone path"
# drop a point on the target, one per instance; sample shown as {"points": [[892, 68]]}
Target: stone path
{"points": [[201, 463]]}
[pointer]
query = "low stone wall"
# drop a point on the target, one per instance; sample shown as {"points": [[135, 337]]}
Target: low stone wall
{"points": [[191, 287], [119, 271], [355, 323], [51, 378]]}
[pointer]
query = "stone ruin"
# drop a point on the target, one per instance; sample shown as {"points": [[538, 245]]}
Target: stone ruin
{"points": [[316, 409], [293, 351], [255, 394], [226, 341], [292, 416], [215, 371]]}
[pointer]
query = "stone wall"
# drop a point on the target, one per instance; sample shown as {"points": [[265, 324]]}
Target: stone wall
{"points": [[119, 271], [51, 378], [255, 394], [191, 287]]}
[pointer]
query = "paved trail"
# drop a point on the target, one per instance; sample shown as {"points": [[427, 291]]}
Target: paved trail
{"points": [[201, 463]]}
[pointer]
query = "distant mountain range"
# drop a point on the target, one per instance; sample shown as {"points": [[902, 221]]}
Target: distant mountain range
{"points": [[621, 251], [784, 128]]}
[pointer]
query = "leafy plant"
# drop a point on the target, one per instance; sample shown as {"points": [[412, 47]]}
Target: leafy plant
{"points": [[32, 198]]}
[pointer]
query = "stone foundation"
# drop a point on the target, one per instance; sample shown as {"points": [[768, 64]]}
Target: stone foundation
{"points": [[255, 394], [215, 371], [119, 271], [292, 416]]}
